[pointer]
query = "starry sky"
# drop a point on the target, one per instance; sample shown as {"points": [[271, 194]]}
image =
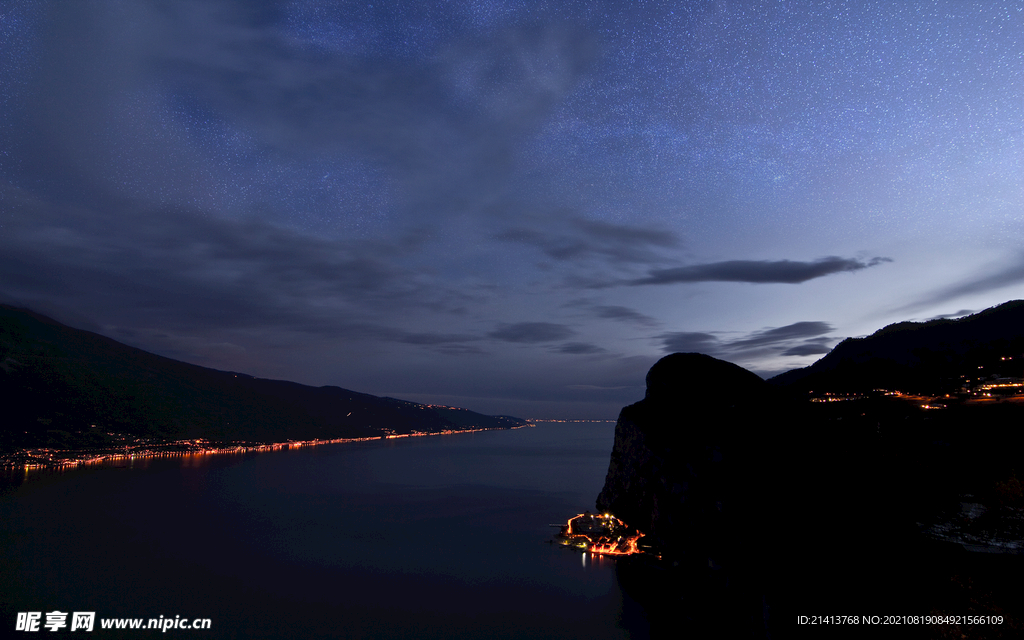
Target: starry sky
{"points": [[515, 207]]}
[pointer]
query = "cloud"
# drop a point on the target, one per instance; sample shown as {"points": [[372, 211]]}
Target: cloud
{"points": [[189, 272], [317, 96], [810, 347], [687, 342], [625, 234], [452, 344], [223, 104], [531, 332], [956, 314], [790, 332], [615, 312], [584, 239], [797, 339], [460, 350], [435, 338], [581, 348], [1005, 275], [757, 271], [445, 125]]}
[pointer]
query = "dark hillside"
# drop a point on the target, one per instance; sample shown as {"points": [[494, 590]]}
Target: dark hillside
{"points": [[937, 356], [56, 382]]}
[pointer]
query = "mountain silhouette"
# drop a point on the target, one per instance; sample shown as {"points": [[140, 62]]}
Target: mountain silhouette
{"points": [[937, 356], [62, 387]]}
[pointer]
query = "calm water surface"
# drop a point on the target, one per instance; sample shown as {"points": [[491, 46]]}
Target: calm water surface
{"points": [[440, 537]]}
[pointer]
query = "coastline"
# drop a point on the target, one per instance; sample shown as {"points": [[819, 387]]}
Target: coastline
{"points": [[41, 458]]}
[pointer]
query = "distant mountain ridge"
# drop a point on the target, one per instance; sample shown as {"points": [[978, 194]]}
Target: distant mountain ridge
{"points": [[56, 382], [933, 356]]}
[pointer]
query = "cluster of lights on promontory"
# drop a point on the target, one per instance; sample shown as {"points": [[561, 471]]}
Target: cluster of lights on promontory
{"points": [[602, 533]]}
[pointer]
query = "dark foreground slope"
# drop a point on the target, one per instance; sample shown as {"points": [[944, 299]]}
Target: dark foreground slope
{"points": [[766, 508], [56, 382], [937, 356]]}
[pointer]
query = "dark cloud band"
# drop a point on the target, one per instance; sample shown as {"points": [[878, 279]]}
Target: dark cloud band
{"points": [[758, 271]]}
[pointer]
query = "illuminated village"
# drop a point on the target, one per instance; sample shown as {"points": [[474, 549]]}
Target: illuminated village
{"points": [[977, 388], [602, 534], [1001, 390]]}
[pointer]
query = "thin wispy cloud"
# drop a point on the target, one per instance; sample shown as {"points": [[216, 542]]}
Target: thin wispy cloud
{"points": [[586, 239], [204, 273], [625, 314], [690, 342], [956, 314], [795, 331], [531, 332], [812, 347], [616, 312], [797, 339], [997, 277], [579, 348], [435, 338]]}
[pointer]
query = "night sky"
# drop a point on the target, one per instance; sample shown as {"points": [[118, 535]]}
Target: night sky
{"points": [[516, 207]]}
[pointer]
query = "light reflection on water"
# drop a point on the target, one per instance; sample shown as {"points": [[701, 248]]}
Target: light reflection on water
{"points": [[426, 537]]}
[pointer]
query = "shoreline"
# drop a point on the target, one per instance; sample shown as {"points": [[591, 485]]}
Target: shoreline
{"points": [[74, 458]]}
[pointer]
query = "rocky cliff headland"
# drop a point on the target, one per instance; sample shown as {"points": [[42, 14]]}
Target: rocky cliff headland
{"points": [[683, 456], [765, 506], [692, 467]]}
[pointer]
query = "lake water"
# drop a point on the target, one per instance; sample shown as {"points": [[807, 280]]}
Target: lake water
{"points": [[439, 537]]}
